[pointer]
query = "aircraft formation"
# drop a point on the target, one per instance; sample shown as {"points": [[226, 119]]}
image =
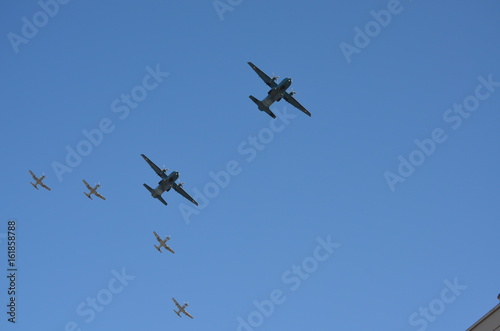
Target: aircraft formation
{"points": [[93, 190], [277, 92]]}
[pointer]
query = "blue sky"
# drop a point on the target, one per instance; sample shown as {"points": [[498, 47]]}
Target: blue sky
{"points": [[379, 212]]}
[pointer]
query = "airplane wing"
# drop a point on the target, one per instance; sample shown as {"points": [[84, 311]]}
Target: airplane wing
{"points": [[162, 200], [33, 175], [181, 191], [170, 249], [177, 304], [158, 171], [271, 83], [157, 236], [291, 100], [187, 314], [45, 186], [99, 195], [87, 184]]}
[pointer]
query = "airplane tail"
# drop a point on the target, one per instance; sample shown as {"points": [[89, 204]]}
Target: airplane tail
{"points": [[154, 194], [34, 185], [161, 199], [88, 195], [262, 107], [177, 312], [148, 188], [158, 248]]}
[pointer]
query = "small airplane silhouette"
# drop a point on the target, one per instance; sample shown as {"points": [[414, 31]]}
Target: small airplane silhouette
{"points": [[93, 190], [38, 181], [162, 243], [182, 309]]}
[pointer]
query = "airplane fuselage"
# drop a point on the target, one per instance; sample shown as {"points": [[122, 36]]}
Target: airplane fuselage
{"points": [[277, 92], [181, 310], [162, 244], [165, 184], [93, 190], [38, 181]]}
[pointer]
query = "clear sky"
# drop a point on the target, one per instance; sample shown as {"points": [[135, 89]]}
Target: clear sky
{"points": [[379, 212]]}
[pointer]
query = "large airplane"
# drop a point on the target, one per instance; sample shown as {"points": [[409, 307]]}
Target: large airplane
{"points": [[93, 190], [182, 309], [276, 93], [162, 243], [166, 183], [38, 181]]}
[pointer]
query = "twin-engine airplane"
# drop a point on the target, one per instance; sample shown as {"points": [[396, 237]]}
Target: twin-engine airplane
{"points": [[93, 190], [181, 309], [162, 243], [276, 93], [166, 183], [38, 181]]}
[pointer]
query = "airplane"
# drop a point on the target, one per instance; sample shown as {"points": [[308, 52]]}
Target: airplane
{"points": [[38, 181], [166, 183], [93, 190], [181, 309], [276, 93], [162, 243]]}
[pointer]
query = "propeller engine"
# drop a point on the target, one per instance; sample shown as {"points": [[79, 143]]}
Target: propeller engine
{"points": [[274, 78]]}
